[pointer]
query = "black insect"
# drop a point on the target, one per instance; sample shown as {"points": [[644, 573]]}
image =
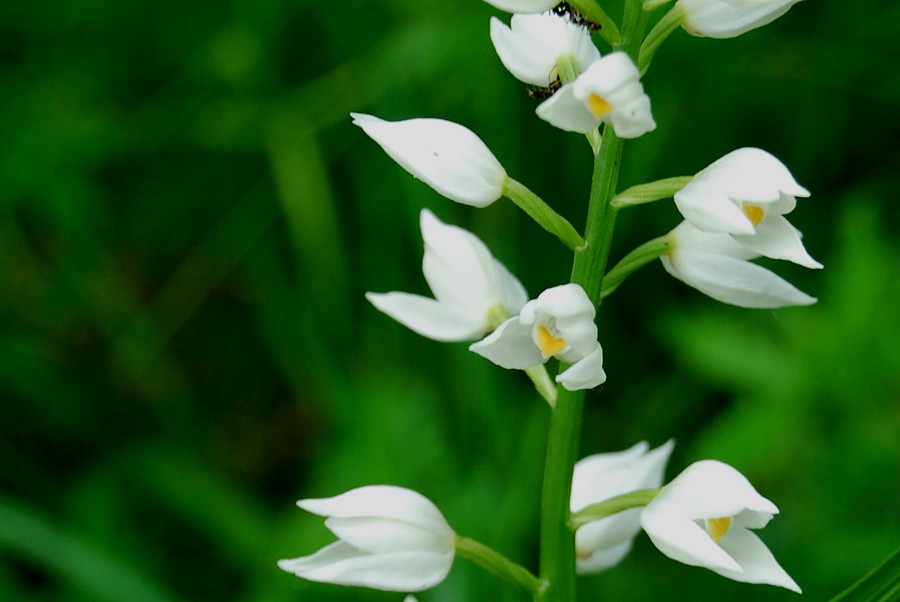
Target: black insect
{"points": [[541, 92], [566, 10]]}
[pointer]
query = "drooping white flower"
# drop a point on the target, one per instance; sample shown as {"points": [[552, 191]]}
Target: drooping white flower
{"points": [[603, 543], [533, 46], [445, 155], [524, 6], [729, 18], [609, 91], [747, 193], [560, 324], [389, 538], [469, 287], [717, 265], [703, 518]]}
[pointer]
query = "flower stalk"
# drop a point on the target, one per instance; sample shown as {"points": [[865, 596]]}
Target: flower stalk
{"points": [[641, 256], [498, 564], [542, 213], [557, 550], [614, 505]]}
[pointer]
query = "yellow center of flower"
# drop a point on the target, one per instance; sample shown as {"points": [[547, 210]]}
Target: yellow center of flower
{"points": [[549, 344], [717, 527], [598, 106], [754, 213]]}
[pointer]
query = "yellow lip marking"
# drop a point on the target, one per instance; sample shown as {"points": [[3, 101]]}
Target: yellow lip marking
{"points": [[754, 213], [598, 106], [717, 527], [549, 344]]}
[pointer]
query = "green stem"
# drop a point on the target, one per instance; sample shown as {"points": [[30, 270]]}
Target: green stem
{"points": [[542, 213], [498, 564], [557, 554], [644, 254], [543, 383], [651, 191], [613, 505], [662, 30]]}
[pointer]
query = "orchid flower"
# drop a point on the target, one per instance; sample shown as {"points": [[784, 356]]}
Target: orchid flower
{"points": [[534, 45], [717, 265], [560, 324], [473, 291], [704, 518], [389, 538], [603, 543], [609, 91], [445, 155], [746, 193], [729, 18]]}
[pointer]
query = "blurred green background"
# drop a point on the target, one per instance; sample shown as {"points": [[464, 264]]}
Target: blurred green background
{"points": [[188, 222]]}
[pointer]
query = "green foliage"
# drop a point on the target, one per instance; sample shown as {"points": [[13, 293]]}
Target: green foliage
{"points": [[188, 222]]}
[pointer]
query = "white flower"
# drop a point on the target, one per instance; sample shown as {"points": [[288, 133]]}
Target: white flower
{"points": [[445, 155], [389, 538], [469, 286], [560, 324], [534, 44], [729, 18], [524, 6], [608, 91], [718, 266], [702, 518], [605, 542], [746, 193]]}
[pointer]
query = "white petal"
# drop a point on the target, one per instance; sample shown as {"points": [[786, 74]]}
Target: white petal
{"points": [[713, 489], [342, 564], [727, 19], [527, 47], [429, 318], [385, 501], [445, 155], [378, 535], [633, 119], [563, 302], [586, 373], [603, 476], [733, 281], [523, 6], [752, 174], [709, 209], [510, 346], [775, 237], [564, 111], [756, 561], [603, 559], [459, 268], [681, 539]]}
